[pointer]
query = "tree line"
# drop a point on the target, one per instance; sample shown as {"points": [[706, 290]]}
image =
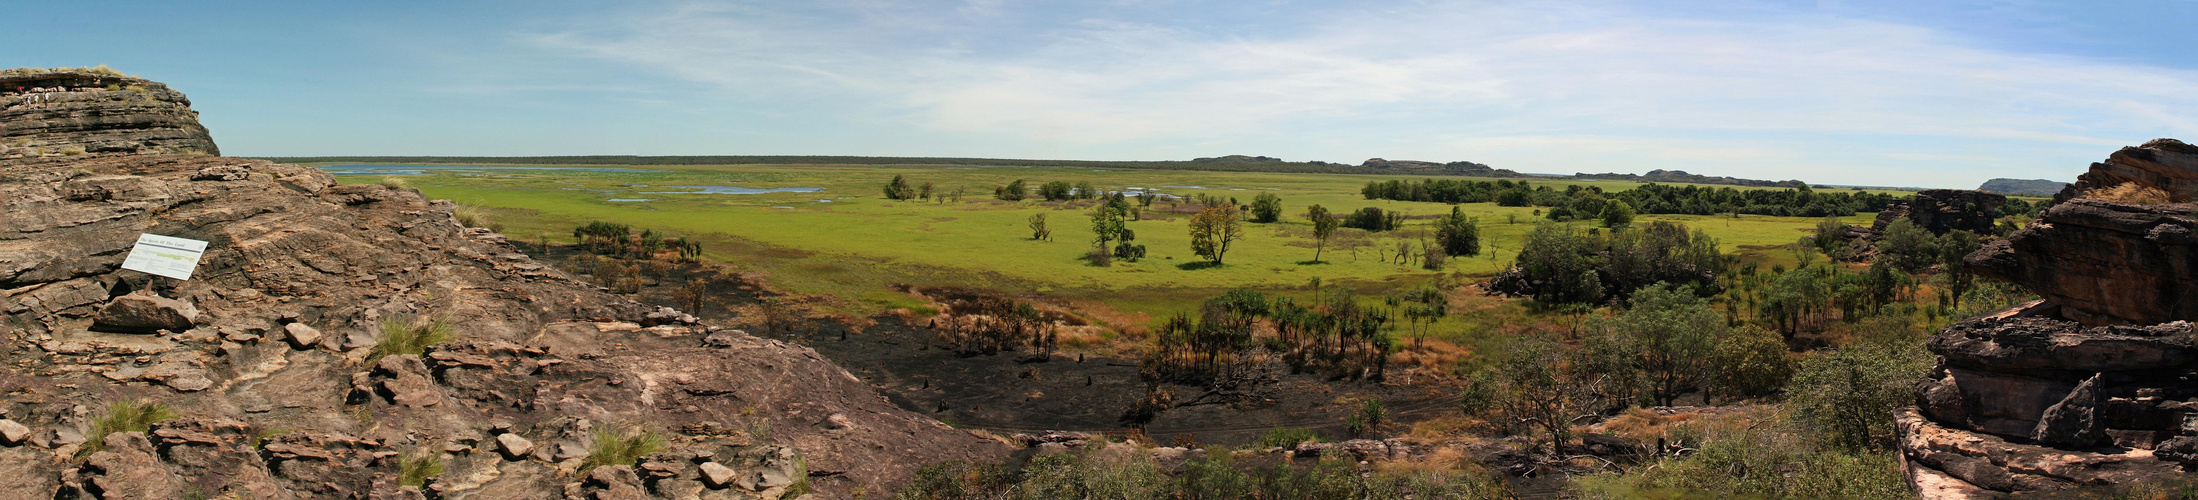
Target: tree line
{"points": [[1575, 202]]}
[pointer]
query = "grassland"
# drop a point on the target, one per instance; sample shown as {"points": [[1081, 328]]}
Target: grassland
{"points": [[847, 240]]}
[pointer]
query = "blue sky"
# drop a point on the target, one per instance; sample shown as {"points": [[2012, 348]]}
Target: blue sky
{"points": [[1941, 94]]}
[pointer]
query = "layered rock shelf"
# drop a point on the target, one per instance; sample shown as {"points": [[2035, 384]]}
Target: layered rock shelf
{"points": [[2096, 384], [82, 112]]}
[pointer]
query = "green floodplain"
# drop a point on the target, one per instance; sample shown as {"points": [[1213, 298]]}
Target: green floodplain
{"points": [[844, 238]]}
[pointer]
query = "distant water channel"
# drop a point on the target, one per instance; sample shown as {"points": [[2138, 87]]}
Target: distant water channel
{"points": [[383, 169]]}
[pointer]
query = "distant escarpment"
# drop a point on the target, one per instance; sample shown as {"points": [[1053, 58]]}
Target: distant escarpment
{"points": [[356, 341], [2023, 187], [94, 111], [1681, 176], [2096, 384]]}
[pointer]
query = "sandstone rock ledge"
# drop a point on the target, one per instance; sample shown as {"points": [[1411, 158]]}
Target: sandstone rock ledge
{"points": [[2096, 384], [265, 353]]}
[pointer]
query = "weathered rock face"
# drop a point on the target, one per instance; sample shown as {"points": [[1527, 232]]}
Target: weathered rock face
{"points": [[2095, 385], [1945, 210], [2104, 263], [73, 112], [2167, 164], [276, 351]]}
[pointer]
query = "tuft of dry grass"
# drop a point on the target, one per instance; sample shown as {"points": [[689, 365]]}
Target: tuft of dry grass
{"points": [[2130, 193]]}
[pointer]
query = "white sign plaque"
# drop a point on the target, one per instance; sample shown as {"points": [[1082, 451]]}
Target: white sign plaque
{"points": [[164, 255]]}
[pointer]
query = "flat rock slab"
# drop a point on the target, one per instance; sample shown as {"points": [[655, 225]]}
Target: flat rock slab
{"points": [[145, 313]]}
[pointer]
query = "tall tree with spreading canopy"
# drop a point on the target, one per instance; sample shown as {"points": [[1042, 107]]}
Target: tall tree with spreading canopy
{"points": [[1212, 230]]}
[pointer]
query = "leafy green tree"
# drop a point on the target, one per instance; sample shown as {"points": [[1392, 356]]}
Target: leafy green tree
{"points": [[1013, 191], [1908, 246], [1668, 333], [1323, 227], [1794, 298], [1846, 397], [1212, 230], [1055, 190], [1617, 214], [1749, 362], [1085, 191], [1107, 224], [1831, 236], [1422, 308], [1555, 266], [1373, 219], [1460, 235], [924, 191], [1266, 208], [898, 189]]}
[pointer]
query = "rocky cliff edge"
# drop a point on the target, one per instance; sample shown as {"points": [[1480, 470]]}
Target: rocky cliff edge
{"points": [[266, 356]]}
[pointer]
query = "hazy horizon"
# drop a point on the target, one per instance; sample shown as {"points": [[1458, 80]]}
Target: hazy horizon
{"points": [[1850, 93]]}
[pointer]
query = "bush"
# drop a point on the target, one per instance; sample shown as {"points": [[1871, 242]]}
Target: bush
{"points": [[1287, 437], [1768, 461], [1750, 362], [1367, 419], [124, 416], [1266, 208], [620, 448], [394, 182], [1845, 398], [408, 335], [470, 216]]}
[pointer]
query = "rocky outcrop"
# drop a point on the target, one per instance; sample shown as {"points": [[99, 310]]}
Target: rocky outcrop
{"points": [[2096, 384], [268, 355], [2104, 263], [86, 111], [1941, 211], [2166, 164]]}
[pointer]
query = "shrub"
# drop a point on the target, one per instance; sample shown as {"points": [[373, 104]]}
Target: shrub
{"points": [[1367, 419], [620, 448], [1749, 362], [124, 416], [1765, 461], [422, 465], [394, 182], [1266, 208], [1287, 437], [408, 335]]}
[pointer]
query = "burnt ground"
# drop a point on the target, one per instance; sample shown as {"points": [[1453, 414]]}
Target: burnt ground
{"points": [[1012, 392]]}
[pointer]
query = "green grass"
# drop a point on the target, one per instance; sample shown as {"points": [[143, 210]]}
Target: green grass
{"points": [[858, 243], [124, 416], [614, 447], [418, 467], [407, 335]]}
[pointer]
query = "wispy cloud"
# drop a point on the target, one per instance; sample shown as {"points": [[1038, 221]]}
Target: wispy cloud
{"points": [[1554, 87]]}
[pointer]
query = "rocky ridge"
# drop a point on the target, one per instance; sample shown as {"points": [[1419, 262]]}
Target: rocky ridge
{"points": [[267, 355], [95, 111], [2096, 384]]}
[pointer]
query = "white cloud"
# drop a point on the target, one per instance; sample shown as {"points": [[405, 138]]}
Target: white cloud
{"points": [[1513, 83]]}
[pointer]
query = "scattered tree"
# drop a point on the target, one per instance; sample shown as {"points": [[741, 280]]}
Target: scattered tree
{"points": [[898, 189], [1266, 208], [1323, 227], [1013, 191], [1038, 229], [1212, 230], [1460, 235]]}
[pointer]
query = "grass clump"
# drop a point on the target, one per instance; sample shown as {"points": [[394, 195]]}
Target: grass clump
{"points": [[2130, 193], [1287, 437], [394, 182], [409, 335], [621, 448], [472, 216], [124, 416], [423, 464]]}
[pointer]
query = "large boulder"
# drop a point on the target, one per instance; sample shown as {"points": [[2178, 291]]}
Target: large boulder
{"points": [[145, 312]]}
